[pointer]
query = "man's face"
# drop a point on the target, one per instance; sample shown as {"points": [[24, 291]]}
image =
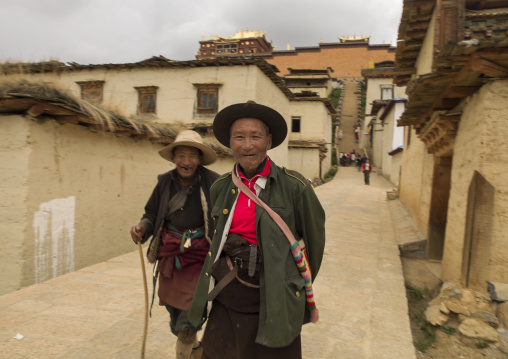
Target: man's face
{"points": [[187, 159], [250, 141]]}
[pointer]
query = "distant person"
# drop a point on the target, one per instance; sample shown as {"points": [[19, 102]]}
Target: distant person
{"points": [[347, 160], [340, 135], [178, 218], [359, 163], [367, 169]]}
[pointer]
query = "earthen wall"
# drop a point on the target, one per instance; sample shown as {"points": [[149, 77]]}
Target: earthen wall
{"points": [[480, 146]]}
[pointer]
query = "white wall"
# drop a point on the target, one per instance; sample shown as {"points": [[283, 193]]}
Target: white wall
{"points": [[415, 185], [315, 125], [426, 56], [305, 159], [393, 137], [176, 97], [14, 154]]}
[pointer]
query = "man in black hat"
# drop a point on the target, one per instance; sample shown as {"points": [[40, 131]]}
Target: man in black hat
{"points": [[258, 312]]}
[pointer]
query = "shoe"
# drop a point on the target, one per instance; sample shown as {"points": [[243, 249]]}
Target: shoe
{"points": [[185, 344], [197, 351]]}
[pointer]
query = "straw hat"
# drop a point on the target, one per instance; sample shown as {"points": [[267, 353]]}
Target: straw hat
{"points": [[250, 109], [192, 139]]}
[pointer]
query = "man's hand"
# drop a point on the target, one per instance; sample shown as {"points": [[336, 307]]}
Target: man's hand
{"points": [[137, 233]]}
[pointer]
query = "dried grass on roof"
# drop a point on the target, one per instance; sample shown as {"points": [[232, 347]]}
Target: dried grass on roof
{"points": [[53, 95], [106, 119]]}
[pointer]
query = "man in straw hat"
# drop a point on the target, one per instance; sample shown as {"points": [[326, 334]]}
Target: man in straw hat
{"points": [[177, 216], [257, 312]]}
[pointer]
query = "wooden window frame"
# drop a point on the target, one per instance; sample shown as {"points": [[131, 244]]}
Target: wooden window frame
{"points": [[92, 91], [227, 48], [387, 87], [147, 106], [207, 106], [296, 124]]}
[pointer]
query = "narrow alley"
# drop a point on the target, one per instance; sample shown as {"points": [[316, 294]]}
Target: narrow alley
{"points": [[97, 312]]}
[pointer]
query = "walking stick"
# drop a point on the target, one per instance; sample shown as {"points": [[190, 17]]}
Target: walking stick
{"points": [[146, 300]]}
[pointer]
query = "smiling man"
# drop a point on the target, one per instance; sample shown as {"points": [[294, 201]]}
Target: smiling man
{"points": [[178, 218], [249, 276]]}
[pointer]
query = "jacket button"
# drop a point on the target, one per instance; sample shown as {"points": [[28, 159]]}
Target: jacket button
{"points": [[225, 211], [214, 231], [298, 294], [233, 191], [206, 274], [210, 254]]}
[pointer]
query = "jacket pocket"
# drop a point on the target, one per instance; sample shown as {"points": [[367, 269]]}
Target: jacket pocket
{"points": [[295, 287], [295, 299]]}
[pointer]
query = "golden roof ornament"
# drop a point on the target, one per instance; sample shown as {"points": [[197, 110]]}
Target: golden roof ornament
{"points": [[345, 39]]}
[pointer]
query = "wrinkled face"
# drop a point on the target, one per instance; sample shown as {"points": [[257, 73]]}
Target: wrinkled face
{"points": [[250, 141], [187, 159]]}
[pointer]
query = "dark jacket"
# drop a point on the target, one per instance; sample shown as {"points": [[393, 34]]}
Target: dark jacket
{"points": [[157, 207], [282, 288]]}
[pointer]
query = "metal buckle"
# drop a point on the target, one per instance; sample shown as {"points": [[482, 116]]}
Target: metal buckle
{"points": [[238, 262]]}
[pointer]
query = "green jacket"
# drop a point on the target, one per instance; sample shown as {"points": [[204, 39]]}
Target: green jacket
{"points": [[282, 289]]}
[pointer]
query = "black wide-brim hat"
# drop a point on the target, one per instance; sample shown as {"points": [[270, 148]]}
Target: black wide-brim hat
{"points": [[225, 118]]}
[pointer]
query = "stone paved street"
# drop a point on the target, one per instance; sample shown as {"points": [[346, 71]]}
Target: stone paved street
{"points": [[97, 312]]}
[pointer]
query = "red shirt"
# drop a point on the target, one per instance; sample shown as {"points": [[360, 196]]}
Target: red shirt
{"points": [[244, 217]]}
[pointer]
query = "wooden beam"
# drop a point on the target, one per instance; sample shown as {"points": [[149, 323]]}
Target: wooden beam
{"points": [[448, 102], [17, 103], [73, 120], [420, 3], [35, 110], [489, 68], [417, 25], [410, 53], [416, 34], [460, 91], [406, 61]]}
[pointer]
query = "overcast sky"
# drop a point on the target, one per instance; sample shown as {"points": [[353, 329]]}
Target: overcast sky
{"points": [[121, 31]]}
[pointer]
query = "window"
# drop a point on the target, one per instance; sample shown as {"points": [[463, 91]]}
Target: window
{"points": [[207, 98], [227, 48], [295, 123], [147, 99], [91, 91], [386, 92]]}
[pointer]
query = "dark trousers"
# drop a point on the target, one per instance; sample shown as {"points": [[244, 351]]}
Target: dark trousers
{"points": [[232, 327], [178, 321], [367, 177]]}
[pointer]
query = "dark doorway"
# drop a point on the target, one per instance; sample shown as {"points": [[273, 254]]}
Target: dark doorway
{"points": [[439, 206], [477, 244]]}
